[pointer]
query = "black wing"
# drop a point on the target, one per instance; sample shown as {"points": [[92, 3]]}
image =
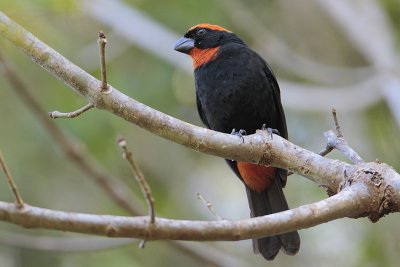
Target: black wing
{"points": [[201, 112]]}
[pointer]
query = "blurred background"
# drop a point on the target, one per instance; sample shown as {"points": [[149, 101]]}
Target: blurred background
{"points": [[326, 53]]}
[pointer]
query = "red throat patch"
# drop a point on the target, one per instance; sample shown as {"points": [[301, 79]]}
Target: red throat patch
{"points": [[257, 177], [202, 56]]}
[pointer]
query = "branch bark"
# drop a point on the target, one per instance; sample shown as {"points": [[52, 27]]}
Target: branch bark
{"points": [[257, 148], [74, 151], [139, 227], [370, 189]]}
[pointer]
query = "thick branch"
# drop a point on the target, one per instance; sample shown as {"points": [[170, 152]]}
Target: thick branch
{"points": [[361, 183], [115, 190], [341, 205], [255, 148], [73, 150]]}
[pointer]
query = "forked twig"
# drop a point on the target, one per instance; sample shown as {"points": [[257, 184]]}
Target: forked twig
{"points": [[104, 85], [337, 141], [72, 149]]}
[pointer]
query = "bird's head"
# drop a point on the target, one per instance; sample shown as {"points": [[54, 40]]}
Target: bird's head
{"points": [[201, 36], [202, 42]]}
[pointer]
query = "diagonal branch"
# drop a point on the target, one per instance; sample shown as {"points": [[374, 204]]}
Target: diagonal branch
{"points": [[370, 189], [139, 177], [116, 191], [209, 206], [72, 149], [258, 148]]}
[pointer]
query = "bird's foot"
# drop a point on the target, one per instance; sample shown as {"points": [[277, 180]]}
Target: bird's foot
{"points": [[239, 133], [270, 130]]}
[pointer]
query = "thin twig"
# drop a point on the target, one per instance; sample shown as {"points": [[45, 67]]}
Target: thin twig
{"points": [[337, 141], [13, 185], [102, 50], [137, 173], [341, 144], [257, 147], [209, 206], [338, 129], [328, 149], [117, 192], [72, 149], [330, 146], [57, 114]]}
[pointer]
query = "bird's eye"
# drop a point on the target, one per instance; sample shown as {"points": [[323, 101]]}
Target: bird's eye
{"points": [[200, 32]]}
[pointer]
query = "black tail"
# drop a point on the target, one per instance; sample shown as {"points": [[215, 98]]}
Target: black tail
{"points": [[272, 200]]}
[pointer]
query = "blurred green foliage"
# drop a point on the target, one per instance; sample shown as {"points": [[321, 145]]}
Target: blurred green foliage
{"points": [[47, 179], [392, 8]]}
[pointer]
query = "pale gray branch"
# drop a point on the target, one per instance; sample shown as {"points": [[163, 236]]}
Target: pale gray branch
{"points": [[341, 144], [341, 205], [118, 193], [370, 189], [258, 148]]}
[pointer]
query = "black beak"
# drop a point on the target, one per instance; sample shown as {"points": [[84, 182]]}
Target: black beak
{"points": [[184, 45]]}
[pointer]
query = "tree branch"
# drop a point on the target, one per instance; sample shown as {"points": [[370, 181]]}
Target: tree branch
{"points": [[73, 150], [338, 206], [370, 189], [353, 201], [339, 142], [258, 148], [116, 191]]}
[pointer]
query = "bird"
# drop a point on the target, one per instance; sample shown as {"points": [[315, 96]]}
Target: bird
{"points": [[237, 89]]}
